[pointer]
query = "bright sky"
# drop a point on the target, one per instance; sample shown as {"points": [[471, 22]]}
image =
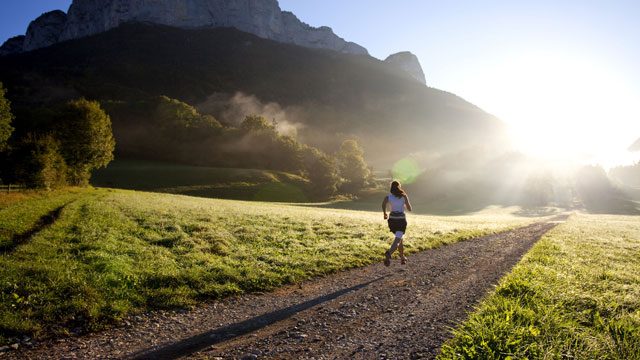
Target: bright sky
{"points": [[563, 74]]}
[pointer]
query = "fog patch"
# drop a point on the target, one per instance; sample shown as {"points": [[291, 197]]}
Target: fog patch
{"points": [[232, 109]]}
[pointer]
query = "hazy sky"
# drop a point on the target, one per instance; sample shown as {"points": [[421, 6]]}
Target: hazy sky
{"points": [[564, 74]]}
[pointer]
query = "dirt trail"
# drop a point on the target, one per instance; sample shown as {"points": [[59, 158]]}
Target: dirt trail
{"points": [[400, 312]]}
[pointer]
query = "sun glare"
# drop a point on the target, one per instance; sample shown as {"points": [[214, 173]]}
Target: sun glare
{"points": [[565, 108]]}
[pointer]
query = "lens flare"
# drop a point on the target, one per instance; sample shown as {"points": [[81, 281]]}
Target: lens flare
{"points": [[406, 171]]}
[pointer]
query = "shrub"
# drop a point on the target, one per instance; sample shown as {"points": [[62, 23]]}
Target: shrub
{"points": [[39, 163]]}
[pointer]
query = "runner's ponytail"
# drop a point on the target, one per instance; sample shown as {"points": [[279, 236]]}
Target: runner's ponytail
{"points": [[396, 189]]}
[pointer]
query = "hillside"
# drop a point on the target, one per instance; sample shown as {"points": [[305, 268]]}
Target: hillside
{"points": [[320, 93]]}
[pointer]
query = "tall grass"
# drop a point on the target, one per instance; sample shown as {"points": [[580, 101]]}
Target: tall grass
{"points": [[576, 295], [110, 253]]}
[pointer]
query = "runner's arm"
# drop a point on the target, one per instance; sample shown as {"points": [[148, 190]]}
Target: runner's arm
{"points": [[384, 206], [407, 204]]}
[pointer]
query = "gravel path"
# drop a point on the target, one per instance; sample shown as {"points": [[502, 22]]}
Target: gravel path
{"points": [[400, 312]]}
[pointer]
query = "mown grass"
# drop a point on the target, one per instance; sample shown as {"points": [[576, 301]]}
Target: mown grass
{"points": [[20, 213], [575, 295], [209, 182], [111, 253]]}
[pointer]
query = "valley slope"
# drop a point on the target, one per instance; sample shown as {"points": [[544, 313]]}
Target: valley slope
{"points": [[321, 93]]}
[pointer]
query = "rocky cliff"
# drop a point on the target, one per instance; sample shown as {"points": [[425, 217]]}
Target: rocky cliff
{"points": [[45, 30], [12, 46], [260, 17], [409, 63]]}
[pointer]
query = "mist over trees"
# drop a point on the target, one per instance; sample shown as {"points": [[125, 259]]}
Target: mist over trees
{"points": [[627, 175], [180, 134], [61, 145]]}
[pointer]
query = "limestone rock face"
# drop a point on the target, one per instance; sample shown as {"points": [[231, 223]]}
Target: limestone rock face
{"points": [[409, 63], [260, 17], [12, 46], [296, 32], [45, 30]]}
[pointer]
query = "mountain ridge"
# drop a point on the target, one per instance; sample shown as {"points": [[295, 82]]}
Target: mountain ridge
{"points": [[263, 18]]}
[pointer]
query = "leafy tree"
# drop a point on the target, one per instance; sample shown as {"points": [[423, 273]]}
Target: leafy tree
{"points": [[539, 189], [5, 119], [322, 171], [352, 167], [86, 139], [255, 124], [288, 154], [627, 175], [174, 114], [38, 163]]}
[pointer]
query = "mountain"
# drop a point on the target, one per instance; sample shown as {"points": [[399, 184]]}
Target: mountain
{"points": [[635, 146], [263, 18], [13, 45], [408, 62], [45, 30], [324, 95]]}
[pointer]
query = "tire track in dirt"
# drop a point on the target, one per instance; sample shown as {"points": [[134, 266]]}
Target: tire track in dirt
{"points": [[374, 312]]}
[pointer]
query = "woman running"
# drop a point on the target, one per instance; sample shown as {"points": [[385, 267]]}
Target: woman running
{"points": [[397, 201]]}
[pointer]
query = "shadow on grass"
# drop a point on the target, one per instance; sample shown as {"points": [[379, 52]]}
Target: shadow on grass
{"points": [[204, 340], [43, 222]]}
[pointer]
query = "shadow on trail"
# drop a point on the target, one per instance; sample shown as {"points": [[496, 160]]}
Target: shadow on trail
{"points": [[204, 340]]}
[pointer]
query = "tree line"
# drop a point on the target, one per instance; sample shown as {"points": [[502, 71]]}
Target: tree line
{"points": [[60, 145], [75, 139], [164, 129]]}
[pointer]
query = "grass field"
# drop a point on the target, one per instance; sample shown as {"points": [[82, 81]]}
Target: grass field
{"points": [[575, 295], [85, 258], [223, 183]]}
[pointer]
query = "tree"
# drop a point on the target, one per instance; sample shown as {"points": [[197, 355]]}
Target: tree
{"points": [[288, 154], [5, 119], [593, 186], [38, 163], [353, 169], [322, 171], [539, 189], [255, 124], [174, 115], [86, 139]]}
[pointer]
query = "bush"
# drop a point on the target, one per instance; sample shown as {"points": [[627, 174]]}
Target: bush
{"points": [[39, 163]]}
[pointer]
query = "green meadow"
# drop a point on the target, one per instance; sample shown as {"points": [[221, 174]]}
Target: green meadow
{"points": [[201, 181], [85, 258], [575, 295]]}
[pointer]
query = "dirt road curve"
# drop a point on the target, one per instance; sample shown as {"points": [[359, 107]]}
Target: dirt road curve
{"points": [[400, 312]]}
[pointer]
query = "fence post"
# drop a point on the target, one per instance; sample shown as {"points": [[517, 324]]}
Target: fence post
{"points": [[9, 189]]}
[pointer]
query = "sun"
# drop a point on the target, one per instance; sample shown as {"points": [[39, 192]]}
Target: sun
{"points": [[562, 107]]}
